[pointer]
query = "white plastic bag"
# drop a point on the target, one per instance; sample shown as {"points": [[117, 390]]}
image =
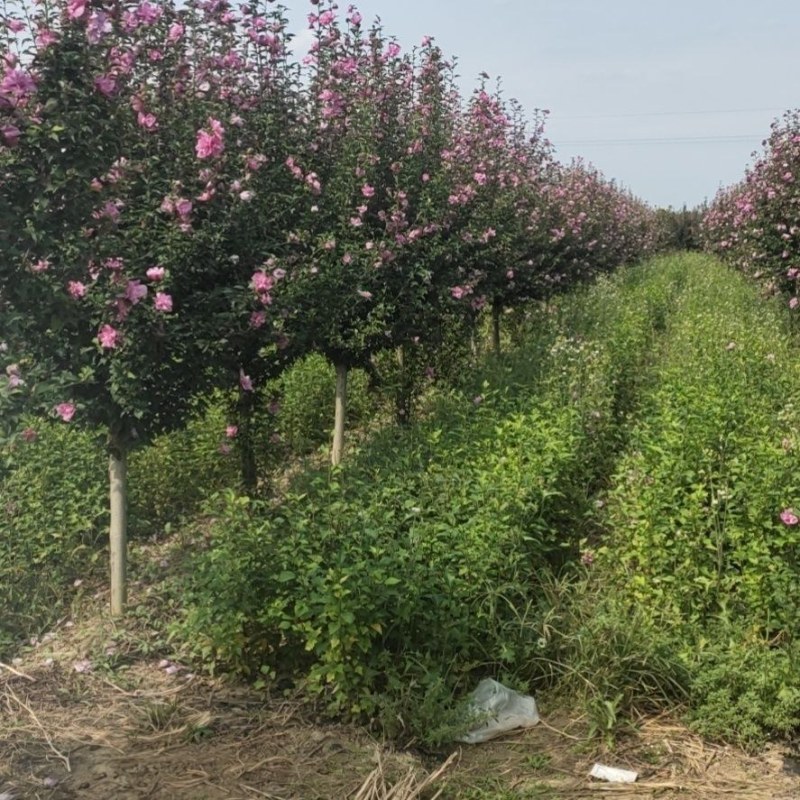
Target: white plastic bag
{"points": [[613, 774], [501, 710]]}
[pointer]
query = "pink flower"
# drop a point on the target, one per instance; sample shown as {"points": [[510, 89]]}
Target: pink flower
{"points": [[147, 121], [66, 411], [114, 264], [458, 292], [42, 265], [261, 282], [163, 302], [155, 274], [788, 517], [175, 32], [76, 9], [135, 291], [109, 210], [148, 13], [11, 134], [17, 84], [15, 25], [98, 26], [210, 142], [76, 289], [313, 183], [29, 435], [367, 190], [258, 319], [14, 378], [794, 302], [231, 431], [108, 337], [365, 295], [183, 207], [225, 449], [44, 38], [245, 382]]}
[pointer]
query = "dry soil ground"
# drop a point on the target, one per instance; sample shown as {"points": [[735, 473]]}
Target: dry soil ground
{"points": [[145, 729]]}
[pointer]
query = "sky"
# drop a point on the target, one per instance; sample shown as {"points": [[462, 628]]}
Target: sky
{"points": [[669, 98]]}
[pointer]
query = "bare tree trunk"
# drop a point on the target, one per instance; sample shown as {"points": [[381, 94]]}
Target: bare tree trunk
{"points": [[247, 450], [496, 311], [404, 389], [118, 533], [341, 410]]}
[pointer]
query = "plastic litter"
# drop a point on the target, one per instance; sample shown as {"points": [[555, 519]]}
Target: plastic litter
{"points": [[501, 710], [613, 774]]}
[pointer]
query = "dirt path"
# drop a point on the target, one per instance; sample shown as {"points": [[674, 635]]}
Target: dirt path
{"points": [[149, 730]]}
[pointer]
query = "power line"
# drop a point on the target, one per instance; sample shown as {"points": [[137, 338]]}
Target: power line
{"points": [[666, 140], [556, 115]]}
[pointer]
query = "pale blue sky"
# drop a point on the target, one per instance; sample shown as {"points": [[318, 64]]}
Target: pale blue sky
{"points": [[613, 71]]}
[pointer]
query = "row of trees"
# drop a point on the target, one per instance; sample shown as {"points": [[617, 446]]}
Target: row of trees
{"points": [[755, 224], [185, 206]]}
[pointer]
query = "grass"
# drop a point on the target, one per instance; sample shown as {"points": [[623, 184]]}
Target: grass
{"points": [[593, 516]]}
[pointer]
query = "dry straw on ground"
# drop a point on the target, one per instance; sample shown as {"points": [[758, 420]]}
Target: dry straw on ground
{"points": [[127, 727]]}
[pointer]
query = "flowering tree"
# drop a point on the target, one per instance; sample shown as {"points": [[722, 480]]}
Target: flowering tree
{"points": [[500, 170], [183, 208], [370, 168], [755, 224], [126, 169]]}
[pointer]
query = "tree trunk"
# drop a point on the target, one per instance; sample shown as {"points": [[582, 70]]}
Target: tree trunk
{"points": [[118, 533], [403, 390], [247, 451], [496, 311], [341, 410]]}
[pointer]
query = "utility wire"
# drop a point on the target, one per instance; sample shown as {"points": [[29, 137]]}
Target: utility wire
{"points": [[756, 137], [556, 115]]}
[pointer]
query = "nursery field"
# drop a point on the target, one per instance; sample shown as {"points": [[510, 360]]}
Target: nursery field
{"points": [[602, 515], [328, 392]]}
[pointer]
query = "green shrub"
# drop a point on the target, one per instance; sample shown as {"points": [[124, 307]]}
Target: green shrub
{"points": [[712, 463], [390, 583], [616, 659], [171, 477], [745, 689], [306, 396], [53, 517], [354, 580]]}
